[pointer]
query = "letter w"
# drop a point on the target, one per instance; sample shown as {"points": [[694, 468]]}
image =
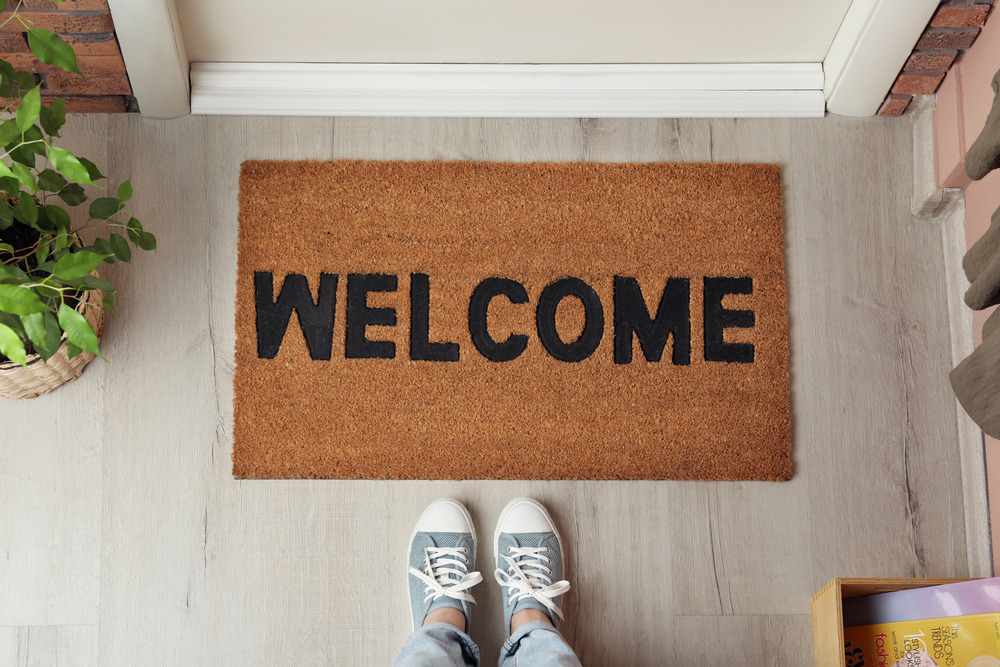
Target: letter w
{"points": [[315, 319]]}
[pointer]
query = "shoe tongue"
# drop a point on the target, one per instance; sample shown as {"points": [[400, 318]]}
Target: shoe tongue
{"points": [[446, 540], [450, 541], [520, 540], [527, 539]]}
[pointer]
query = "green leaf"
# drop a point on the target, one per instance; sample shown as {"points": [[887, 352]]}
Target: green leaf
{"points": [[72, 350], [9, 131], [103, 247], [73, 194], [43, 251], [51, 181], [25, 154], [6, 247], [104, 207], [19, 300], [3, 5], [125, 191], [146, 241], [109, 302], [37, 139], [95, 173], [12, 186], [78, 330], [9, 184], [26, 210], [120, 247], [49, 292], [25, 81], [53, 116], [44, 333], [11, 345], [6, 79], [71, 166], [13, 274], [90, 282], [25, 177], [6, 215], [139, 236], [76, 265], [63, 241], [134, 230], [51, 49], [58, 216], [27, 111]]}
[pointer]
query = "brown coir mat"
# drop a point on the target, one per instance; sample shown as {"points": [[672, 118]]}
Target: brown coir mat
{"points": [[463, 320]]}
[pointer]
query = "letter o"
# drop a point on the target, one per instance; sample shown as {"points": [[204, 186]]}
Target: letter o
{"points": [[545, 319]]}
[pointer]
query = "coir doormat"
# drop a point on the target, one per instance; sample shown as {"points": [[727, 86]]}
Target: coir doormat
{"points": [[461, 320]]}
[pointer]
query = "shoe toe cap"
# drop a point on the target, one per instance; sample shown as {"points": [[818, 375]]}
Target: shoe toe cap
{"points": [[525, 515], [445, 516]]}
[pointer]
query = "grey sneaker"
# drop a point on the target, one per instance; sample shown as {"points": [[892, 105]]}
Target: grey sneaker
{"points": [[529, 560], [441, 561]]}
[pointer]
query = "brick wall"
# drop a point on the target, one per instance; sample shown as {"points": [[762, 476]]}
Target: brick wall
{"points": [[87, 26], [952, 30]]}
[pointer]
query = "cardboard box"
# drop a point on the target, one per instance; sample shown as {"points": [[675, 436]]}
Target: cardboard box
{"points": [[828, 614]]}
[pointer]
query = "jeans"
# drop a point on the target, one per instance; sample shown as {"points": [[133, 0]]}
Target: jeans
{"points": [[440, 645]]}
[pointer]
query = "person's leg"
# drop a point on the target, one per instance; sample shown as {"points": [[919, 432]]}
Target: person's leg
{"points": [[441, 562], [438, 644], [530, 571]]}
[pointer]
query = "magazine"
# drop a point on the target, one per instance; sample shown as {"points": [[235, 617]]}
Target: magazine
{"points": [[957, 641]]}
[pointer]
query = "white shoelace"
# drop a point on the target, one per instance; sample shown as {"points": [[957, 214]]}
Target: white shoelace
{"points": [[528, 575], [446, 573]]}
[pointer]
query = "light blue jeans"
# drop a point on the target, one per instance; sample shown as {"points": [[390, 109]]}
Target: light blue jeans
{"points": [[442, 645]]}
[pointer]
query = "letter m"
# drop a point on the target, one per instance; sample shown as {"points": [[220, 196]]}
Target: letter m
{"points": [[315, 319], [673, 317]]}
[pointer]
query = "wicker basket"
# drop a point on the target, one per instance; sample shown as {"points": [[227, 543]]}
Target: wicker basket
{"points": [[41, 377]]}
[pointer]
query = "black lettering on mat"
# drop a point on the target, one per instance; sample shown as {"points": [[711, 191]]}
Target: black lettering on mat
{"points": [[673, 316], [545, 319], [315, 319], [479, 304], [359, 316], [717, 319], [421, 349]]}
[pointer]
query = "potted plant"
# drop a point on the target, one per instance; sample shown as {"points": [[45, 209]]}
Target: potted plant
{"points": [[52, 301]]}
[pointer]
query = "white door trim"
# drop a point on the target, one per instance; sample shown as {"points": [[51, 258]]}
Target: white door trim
{"points": [[869, 50], [512, 91]]}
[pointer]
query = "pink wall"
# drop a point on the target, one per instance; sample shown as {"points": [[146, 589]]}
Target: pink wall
{"points": [[963, 102]]}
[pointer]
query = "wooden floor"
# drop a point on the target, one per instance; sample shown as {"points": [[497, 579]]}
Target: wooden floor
{"points": [[124, 539]]}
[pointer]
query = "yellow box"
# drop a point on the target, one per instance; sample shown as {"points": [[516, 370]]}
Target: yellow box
{"points": [[828, 611]]}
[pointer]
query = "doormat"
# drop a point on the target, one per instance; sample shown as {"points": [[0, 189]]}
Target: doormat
{"points": [[465, 320]]}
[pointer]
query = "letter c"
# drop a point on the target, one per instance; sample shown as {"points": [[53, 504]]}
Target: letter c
{"points": [[479, 303]]}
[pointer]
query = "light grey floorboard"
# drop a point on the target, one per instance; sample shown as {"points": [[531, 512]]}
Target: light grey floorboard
{"points": [[743, 641], [871, 348], [197, 568], [50, 480], [49, 646]]}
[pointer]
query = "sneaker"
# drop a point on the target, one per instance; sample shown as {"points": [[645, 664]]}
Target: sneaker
{"points": [[529, 560], [441, 562]]}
